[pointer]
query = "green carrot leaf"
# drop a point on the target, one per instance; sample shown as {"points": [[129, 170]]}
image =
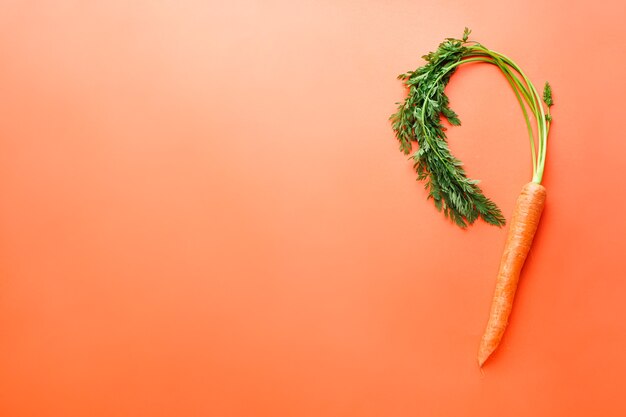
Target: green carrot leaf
{"points": [[466, 34], [547, 95], [418, 119]]}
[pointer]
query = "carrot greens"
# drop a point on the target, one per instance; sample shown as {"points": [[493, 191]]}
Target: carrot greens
{"points": [[418, 119]]}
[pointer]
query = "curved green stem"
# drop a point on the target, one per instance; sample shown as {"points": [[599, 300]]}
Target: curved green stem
{"points": [[532, 98]]}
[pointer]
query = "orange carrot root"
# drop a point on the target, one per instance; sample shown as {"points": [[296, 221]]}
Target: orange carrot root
{"points": [[523, 226]]}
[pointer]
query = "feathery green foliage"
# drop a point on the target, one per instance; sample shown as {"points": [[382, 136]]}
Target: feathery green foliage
{"points": [[418, 119]]}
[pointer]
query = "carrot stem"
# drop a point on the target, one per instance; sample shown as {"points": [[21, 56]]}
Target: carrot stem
{"points": [[522, 88]]}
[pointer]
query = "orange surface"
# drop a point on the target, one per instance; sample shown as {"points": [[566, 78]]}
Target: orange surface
{"points": [[204, 212]]}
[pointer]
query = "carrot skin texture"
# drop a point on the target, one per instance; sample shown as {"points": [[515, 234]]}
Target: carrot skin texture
{"points": [[523, 226]]}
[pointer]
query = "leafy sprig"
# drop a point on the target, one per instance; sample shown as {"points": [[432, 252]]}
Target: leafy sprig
{"points": [[418, 119], [547, 95]]}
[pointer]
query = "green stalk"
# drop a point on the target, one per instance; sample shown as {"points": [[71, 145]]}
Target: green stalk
{"points": [[519, 91], [534, 102], [515, 87]]}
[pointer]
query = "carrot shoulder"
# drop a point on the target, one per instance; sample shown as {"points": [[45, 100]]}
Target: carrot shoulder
{"points": [[523, 226]]}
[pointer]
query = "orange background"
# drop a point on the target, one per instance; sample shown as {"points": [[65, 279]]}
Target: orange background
{"points": [[204, 212]]}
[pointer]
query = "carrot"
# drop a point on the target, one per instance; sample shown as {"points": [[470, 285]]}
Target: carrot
{"points": [[523, 226], [418, 119]]}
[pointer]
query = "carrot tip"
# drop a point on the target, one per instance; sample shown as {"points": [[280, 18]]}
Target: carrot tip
{"points": [[481, 361], [483, 355]]}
